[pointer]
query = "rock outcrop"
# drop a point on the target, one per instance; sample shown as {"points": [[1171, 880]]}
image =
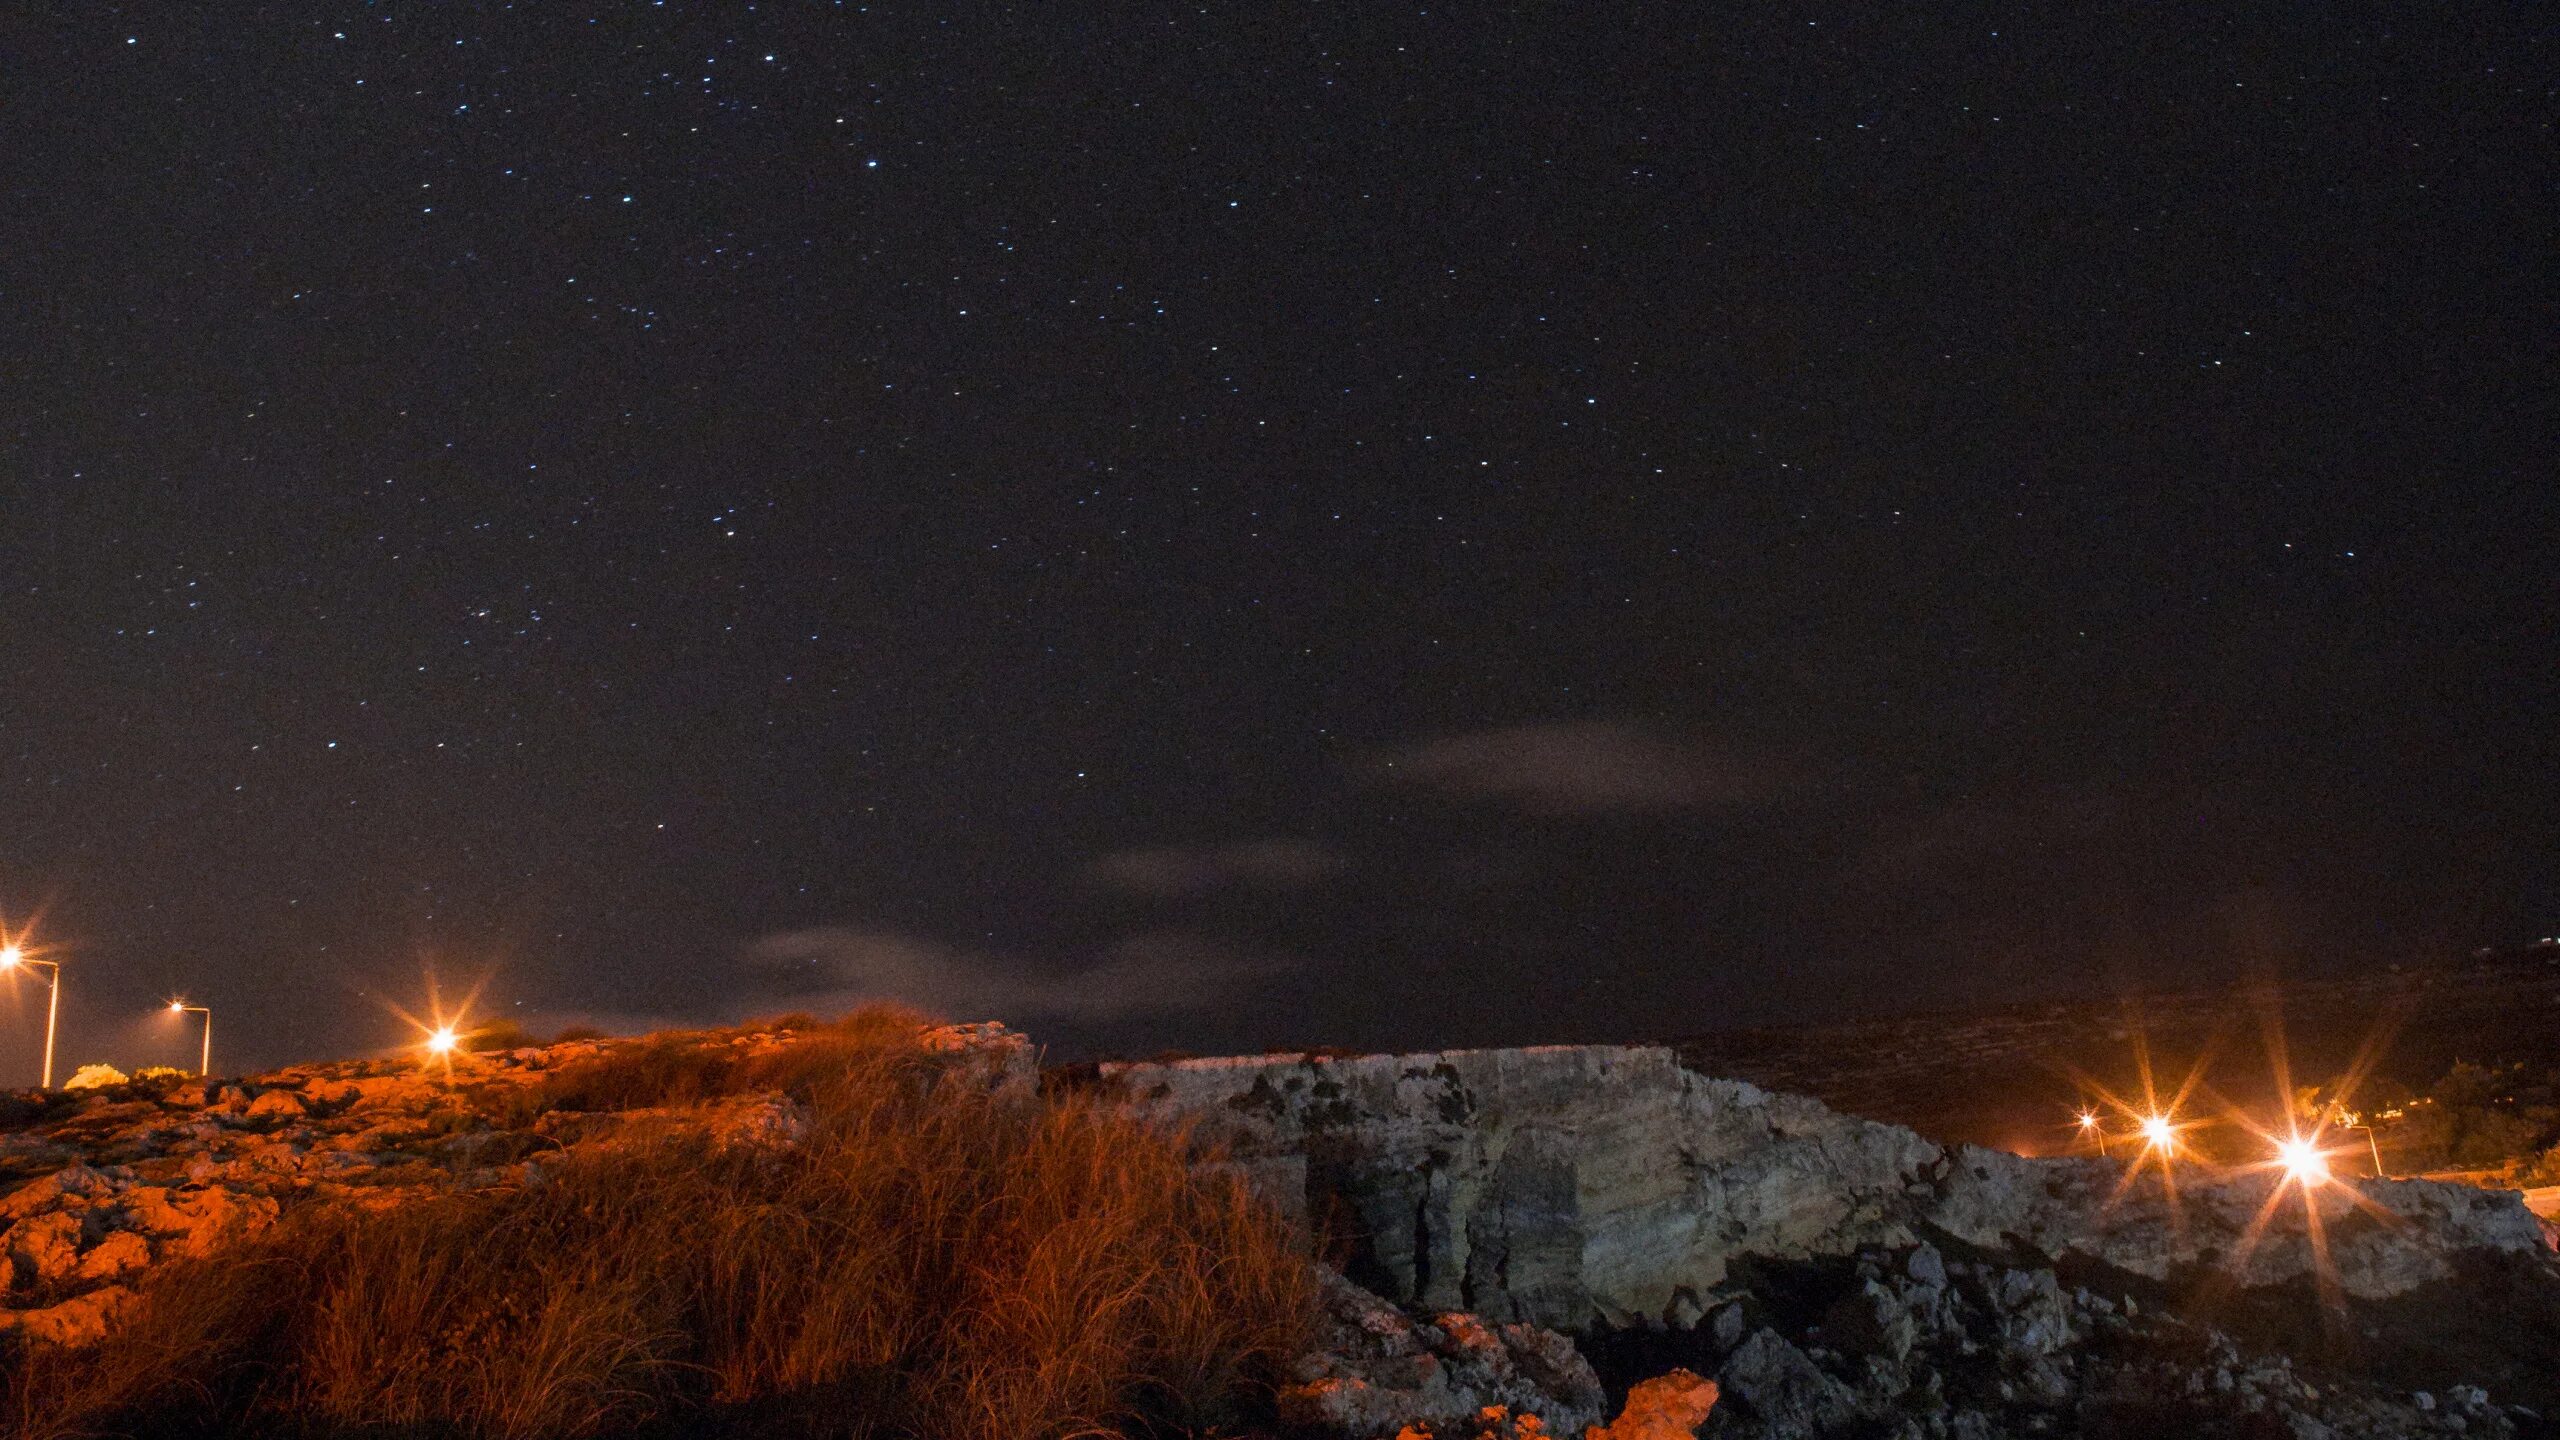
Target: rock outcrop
{"points": [[1573, 1185], [1833, 1276]]}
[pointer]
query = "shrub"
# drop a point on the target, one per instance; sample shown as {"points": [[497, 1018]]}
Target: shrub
{"points": [[497, 1035], [936, 1259], [94, 1077], [2544, 1169]]}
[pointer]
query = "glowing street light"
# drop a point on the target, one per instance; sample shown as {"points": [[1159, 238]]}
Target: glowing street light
{"points": [[204, 1058], [2089, 1126], [2303, 1162], [442, 1040], [14, 955], [2159, 1134]]}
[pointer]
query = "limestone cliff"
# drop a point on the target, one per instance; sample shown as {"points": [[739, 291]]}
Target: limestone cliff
{"points": [[1570, 1184]]}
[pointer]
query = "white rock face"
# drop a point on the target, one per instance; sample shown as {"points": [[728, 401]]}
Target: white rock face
{"points": [[1566, 1184]]}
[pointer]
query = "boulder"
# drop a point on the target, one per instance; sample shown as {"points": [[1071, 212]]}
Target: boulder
{"points": [[1667, 1407], [1377, 1371], [1783, 1391], [1003, 1057], [118, 1253], [278, 1105], [78, 1321], [44, 1249]]}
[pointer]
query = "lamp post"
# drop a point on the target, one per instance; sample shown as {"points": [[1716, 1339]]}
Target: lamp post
{"points": [[13, 956], [2350, 1120], [2089, 1126], [204, 1057]]}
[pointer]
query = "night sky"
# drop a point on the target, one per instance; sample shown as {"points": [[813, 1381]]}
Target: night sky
{"points": [[1270, 523]]}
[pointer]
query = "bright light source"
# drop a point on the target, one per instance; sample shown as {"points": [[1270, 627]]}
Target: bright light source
{"points": [[177, 1006], [2088, 1121], [10, 955], [2157, 1130], [2302, 1160], [442, 1041]]}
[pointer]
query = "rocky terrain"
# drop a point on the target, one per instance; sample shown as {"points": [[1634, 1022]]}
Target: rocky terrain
{"points": [[1837, 1276], [98, 1186], [1573, 1241]]}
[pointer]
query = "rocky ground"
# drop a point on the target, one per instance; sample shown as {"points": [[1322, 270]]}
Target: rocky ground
{"points": [[99, 1185], [1576, 1241], [1838, 1277]]}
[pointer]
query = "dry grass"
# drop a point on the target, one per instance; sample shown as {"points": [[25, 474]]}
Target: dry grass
{"points": [[937, 1259]]}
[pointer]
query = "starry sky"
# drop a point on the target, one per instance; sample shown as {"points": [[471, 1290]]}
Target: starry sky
{"points": [[1263, 524]]}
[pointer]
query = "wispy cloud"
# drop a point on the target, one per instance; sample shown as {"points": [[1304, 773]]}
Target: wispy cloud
{"points": [[1589, 767], [1173, 871], [1153, 973]]}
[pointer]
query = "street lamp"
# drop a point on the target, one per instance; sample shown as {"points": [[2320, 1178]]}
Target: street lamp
{"points": [[11, 957], [442, 1041], [2352, 1120], [2089, 1126], [204, 1058], [2304, 1163]]}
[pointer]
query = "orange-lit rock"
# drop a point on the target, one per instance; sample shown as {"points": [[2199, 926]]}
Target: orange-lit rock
{"points": [[1667, 1407], [80, 1320]]}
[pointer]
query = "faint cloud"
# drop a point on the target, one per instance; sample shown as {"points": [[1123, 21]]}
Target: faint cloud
{"points": [[2042, 826], [1589, 767], [1168, 872], [1158, 972]]}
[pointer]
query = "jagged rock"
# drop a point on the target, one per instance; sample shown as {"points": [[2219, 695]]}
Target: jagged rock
{"points": [[1554, 1368], [1378, 1371], [1667, 1407], [196, 1222], [1727, 1326], [1872, 1320], [277, 1105], [118, 1253], [2034, 1318], [1785, 1392], [80, 1320], [1000, 1055], [70, 1184], [44, 1249]]}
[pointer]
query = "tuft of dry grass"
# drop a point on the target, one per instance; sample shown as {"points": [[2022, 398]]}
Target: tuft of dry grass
{"points": [[937, 1259]]}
